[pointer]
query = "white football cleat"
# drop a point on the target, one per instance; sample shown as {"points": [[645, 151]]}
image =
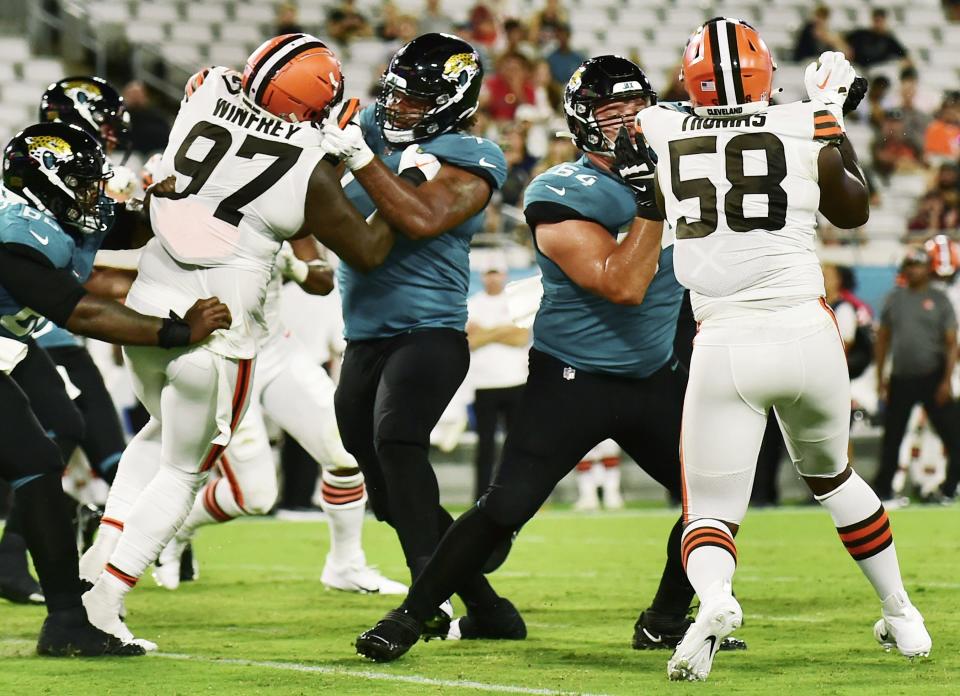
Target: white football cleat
{"points": [[104, 614], [718, 618], [166, 571], [902, 627], [359, 578]]}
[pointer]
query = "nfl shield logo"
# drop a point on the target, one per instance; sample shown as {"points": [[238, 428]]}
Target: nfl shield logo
{"points": [[569, 373]]}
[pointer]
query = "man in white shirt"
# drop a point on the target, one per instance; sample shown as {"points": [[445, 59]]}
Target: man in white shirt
{"points": [[498, 366]]}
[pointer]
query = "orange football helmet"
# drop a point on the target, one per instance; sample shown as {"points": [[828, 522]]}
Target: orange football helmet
{"points": [[944, 255], [727, 69], [295, 77]]}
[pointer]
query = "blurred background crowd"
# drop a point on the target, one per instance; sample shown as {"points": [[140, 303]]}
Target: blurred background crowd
{"points": [[906, 132]]}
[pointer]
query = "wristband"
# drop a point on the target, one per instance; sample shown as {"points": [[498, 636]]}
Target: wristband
{"points": [[174, 333]]}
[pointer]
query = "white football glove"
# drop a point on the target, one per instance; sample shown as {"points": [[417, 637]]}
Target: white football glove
{"points": [[828, 79], [346, 144], [291, 268], [122, 185], [412, 157]]}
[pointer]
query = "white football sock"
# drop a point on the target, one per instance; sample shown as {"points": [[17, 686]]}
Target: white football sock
{"points": [[865, 530], [709, 554], [153, 520], [343, 501]]}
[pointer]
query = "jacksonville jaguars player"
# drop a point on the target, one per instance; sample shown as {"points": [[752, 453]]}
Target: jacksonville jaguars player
{"points": [[414, 164], [89, 418], [603, 336], [53, 176]]}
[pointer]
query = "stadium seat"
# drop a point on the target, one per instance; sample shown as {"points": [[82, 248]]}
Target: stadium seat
{"points": [[192, 33], [45, 70], [240, 33], [187, 56], [211, 14], [138, 33], [22, 94], [254, 14], [229, 55], [155, 13]]}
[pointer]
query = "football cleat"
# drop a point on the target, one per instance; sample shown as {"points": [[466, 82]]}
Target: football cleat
{"points": [[359, 578], [501, 622], [175, 564], [902, 628], [16, 583], [393, 635], [718, 618], [69, 634], [105, 615], [654, 631], [438, 626]]}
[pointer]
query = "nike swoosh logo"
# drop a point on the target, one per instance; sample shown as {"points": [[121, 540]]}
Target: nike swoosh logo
{"points": [[484, 163], [558, 191], [825, 80], [42, 240], [713, 644], [653, 639], [642, 189]]}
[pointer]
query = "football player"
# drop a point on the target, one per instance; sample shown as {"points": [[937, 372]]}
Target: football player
{"points": [[603, 336], [297, 394], [249, 174], [413, 162], [52, 210], [742, 181]]}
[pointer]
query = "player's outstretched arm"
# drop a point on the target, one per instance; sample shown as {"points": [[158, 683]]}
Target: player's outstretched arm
{"points": [[592, 258], [844, 198], [336, 224], [55, 294], [429, 209]]}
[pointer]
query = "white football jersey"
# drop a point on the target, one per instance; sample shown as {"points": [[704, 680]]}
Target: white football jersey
{"points": [[242, 177], [742, 195]]}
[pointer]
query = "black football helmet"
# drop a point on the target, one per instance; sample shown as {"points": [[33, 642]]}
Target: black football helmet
{"points": [[60, 169], [91, 103], [599, 81], [431, 86]]}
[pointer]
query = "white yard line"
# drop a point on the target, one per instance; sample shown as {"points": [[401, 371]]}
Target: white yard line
{"points": [[366, 674]]}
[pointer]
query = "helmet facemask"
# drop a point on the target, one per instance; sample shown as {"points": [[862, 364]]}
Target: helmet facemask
{"points": [[598, 133]]}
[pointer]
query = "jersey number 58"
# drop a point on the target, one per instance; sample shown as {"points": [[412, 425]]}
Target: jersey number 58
{"points": [[741, 184]]}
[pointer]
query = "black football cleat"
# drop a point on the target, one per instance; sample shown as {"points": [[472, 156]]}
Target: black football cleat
{"points": [[16, 583], [438, 625], [68, 633], [500, 622], [654, 631], [189, 568], [393, 635]]}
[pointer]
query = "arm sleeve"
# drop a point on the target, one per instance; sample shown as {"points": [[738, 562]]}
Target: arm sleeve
{"points": [[546, 213], [32, 281]]}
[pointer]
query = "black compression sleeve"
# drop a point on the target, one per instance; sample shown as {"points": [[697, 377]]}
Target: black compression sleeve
{"points": [[32, 281], [547, 213]]}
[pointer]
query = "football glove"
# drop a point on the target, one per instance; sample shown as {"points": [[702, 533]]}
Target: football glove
{"points": [[291, 268], [829, 78], [346, 144], [858, 90], [635, 163]]}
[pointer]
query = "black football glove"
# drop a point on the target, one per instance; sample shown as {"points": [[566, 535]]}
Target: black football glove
{"points": [[856, 93], [635, 164]]}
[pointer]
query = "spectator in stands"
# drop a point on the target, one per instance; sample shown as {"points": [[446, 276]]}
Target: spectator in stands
{"points": [[915, 120], [483, 26], [893, 153], [498, 366], [519, 164], [515, 37], [876, 100], [541, 119], [509, 87], [936, 212], [545, 24], [345, 23], [942, 139], [149, 128], [287, 20], [559, 150], [919, 328], [913, 93], [434, 19], [876, 44], [404, 28], [815, 37], [563, 60]]}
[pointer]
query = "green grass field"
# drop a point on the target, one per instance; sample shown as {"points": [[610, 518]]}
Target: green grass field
{"points": [[259, 622]]}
